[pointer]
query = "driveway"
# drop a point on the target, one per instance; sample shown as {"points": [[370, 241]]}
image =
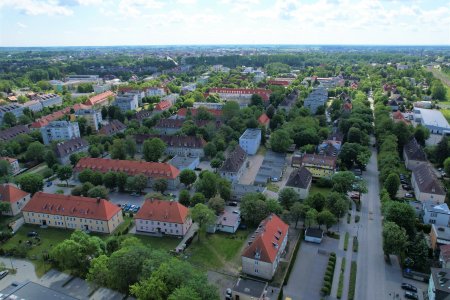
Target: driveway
{"points": [[25, 271], [250, 173]]}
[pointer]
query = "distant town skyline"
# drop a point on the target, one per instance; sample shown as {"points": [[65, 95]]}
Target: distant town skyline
{"points": [[202, 22]]}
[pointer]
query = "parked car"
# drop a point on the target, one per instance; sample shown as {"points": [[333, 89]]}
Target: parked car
{"points": [[409, 195], [49, 183], [409, 287], [32, 234], [236, 212], [411, 295], [233, 203], [406, 187], [3, 274], [228, 295]]}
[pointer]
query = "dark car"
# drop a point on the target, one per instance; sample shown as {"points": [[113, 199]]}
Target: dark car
{"points": [[32, 234], [409, 287], [234, 203], [3, 274], [411, 295], [49, 183]]}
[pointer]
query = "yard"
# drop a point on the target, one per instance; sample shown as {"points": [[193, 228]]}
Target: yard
{"points": [[218, 251], [163, 243], [316, 189], [446, 113]]}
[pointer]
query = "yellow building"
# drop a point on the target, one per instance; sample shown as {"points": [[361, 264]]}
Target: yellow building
{"points": [[319, 165], [72, 212]]}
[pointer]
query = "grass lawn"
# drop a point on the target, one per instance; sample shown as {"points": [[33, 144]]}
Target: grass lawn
{"points": [[315, 189], [446, 113], [216, 250], [39, 169], [273, 187], [163, 243]]}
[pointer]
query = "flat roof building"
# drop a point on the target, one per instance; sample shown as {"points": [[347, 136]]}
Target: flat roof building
{"points": [[434, 120]]}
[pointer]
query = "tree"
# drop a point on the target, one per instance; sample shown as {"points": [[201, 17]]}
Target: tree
{"points": [[337, 203], [153, 149], [402, 214], [184, 197], [354, 135], [50, 158], [316, 201], [216, 163], [391, 184], [273, 206], [98, 192], [217, 204], [343, 181], [85, 175], [197, 198], [35, 152], [447, 166], [288, 197], [93, 151], [311, 217], [442, 150], [99, 272], [253, 208], [438, 91], [118, 150], [64, 173], [210, 149], [130, 146], [187, 177], [280, 141], [298, 211], [184, 293], [31, 182], [109, 180], [140, 182], [9, 119], [97, 178], [121, 180], [203, 216], [326, 218], [5, 207], [256, 100], [421, 134], [5, 168], [395, 239], [86, 187], [160, 185], [230, 110], [417, 253]]}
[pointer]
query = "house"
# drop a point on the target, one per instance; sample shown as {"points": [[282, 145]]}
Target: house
{"points": [[439, 284], [12, 132], [93, 117], [163, 217], [185, 162], [249, 289], [33, 105], [185, 112], [155, 91], [413, 154], [240, 190], [163, 105], [209, 105], [15, 197], [227, 221], [319, 165], [289, 101], [432, 119], [393, 104], [15, 109], [314, 235], [234, 165], [14, 163], [272, 168], [444, 256], [241, 95], [32, 290], [183, 145], [398, 116], [318, 97], [329, 147], [300, 181], [114, 126], [126, 102], [250, 140], [172, 126], [72, 212], [45, 120], [152, 170], [439, 235], [142, 115], [101, 100], [49, 100], [426, 185], [65, 149], [438, 214], [60, 131], [265, 248], [264, 120]]}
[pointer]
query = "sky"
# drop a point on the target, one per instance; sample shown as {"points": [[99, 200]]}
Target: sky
{"points": [[200, 22]]}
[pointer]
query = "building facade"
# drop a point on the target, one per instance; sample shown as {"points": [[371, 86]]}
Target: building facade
{"points": [[234, 166], [60, 131], [300, 181], [93, 117], [438, 214], [176, 145], [16, 198], [15, 109], [413, 154], [250, 140], [65, 149], [426, 185], [14, 163], [127, 101]]}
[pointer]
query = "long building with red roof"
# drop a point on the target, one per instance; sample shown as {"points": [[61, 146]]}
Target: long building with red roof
{"points": [[101, 99], [241, 95], [183, 112], [163, 217], [152, 170], [262, 255], [15, 197], [72, 212]]}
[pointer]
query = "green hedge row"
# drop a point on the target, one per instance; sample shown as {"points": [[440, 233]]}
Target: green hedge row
{"points": [[329, 273]]}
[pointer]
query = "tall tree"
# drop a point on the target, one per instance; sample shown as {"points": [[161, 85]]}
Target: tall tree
{"points": [[184, 197], [64, 174], [121, 180], [311, 217], [391, 184], [421, 133], [35, 152], [325, 217], [203, 216], [109, 180], [288, 197], [187, 177], [280, 141], [153, 149], [118, 149], [217, 204], [9, 119], [298, 211], [402, 214], [98, 192], [31, 182], [395, 239]]}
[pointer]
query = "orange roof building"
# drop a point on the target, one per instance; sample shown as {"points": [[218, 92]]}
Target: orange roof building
{"points": [[100, 99], [262, 255], [163, 105], [72, 212], [182, 112], [16, 198], [163, 217], [263, 120]]}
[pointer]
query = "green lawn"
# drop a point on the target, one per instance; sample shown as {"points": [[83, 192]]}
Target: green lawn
{"points": [[163, 243], [315, 189], [273, 187], [446, 113]]}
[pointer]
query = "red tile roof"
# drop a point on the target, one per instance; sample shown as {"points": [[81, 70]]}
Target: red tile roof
{"points": [[271, 231], [182, 112], [163, 211], [99, 98], [72, 206], [263, 119], [41, 122], [8, 159], [10, 193], [278, 82], [163, 105], [265, 94], [130, 167], [113, 127]]}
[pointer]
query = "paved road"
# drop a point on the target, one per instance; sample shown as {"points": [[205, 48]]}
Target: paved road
{"points": [[25, 271]]}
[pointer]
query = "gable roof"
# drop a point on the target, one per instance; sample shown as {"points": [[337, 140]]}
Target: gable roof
{"points": [[414, 151], [318, 160], [113, 127], [263, 119], [163, 105], [68, 147], [182, 112], [300, 178], [179, 141], [130, 167], [426, 180], [268, 237], [143, 114], [10, 193], [265, 94], [73, 206], [235, 160], [99, 98], [163, 211], [12, 132], [45, 120]]}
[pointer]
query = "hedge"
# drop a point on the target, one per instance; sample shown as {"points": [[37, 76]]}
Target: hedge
{"points": [[351, 290], [341, 279], [346, 241], [355, 244], [328, 277]]}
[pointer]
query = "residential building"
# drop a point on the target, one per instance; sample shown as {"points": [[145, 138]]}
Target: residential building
{"points": [[33, 105], [240, 190], [241, 95], [172, 98], [126, 102], [249, 289], [319, 165], [413, 154], [423, 104], [398, 117], [72, 212], [155, 91], [49, 100], [45, 120], [284, 82], [139, 93], [163, 217], [300, 181], [114, 126], [227, 221], [393, 104], [439, 235], [65, 149], [289, 101], [314, 235], [439, 284], [209, 105], [83, 78], [272, 168], [185, 162], [444, 256], [234, 165], [185, 112], [101, 88], [12, 132], [426, 185], [93, 117], [16, 198], [102, 99], [172, 126], [32, 290], [183, 145], [432, 119], [265, 248], [163, 105], [15, 109], [250, 140], [153, 170], [329, 147], [140, 116], [318, 97], [60, 131], [264, 120], [14, 163], [438, 214]]}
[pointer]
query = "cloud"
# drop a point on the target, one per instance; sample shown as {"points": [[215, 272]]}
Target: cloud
{"points": [[35, 7], [190, 2], [137, 8], [21, 25]]}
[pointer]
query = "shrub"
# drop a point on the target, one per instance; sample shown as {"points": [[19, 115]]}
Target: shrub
{"points": [[351, 290], [357, 219], [325, 291]]}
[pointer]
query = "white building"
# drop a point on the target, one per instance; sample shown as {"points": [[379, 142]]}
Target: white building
{"points": [[433, 120], [209, 105], [128, 101], [438, 214], [15, 109], [33, 105], [155, 92], [14, 163], [426, 185], [228, 222], [49, 100], [250, 140], [60, 131], [93, 117], [16, 198]]}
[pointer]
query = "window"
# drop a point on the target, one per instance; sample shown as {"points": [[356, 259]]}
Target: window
{"points": [[433, 215], [432, 221]]}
